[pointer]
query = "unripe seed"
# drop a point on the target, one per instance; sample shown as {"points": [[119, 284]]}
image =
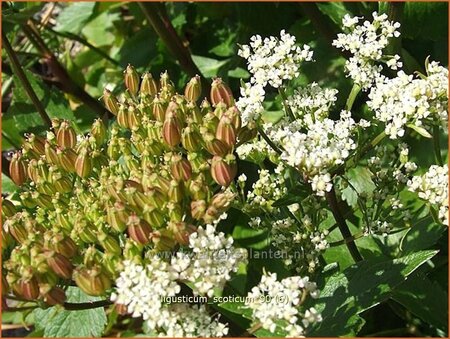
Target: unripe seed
{"points": [[139, 230], [98, 131], [131, 80], [220, 92], [225, 132], [66, 136], [193, 89], [28, 288], [198, 209], [8, 208], [223, 170], [18, 169], [171, 132], [55, 296], [83, 164], [111, 102], [149, 86], [59, 264], [92, 281], [181, 169]]}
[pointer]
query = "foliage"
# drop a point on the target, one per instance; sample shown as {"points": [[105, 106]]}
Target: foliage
{"points": [[399, 289]]}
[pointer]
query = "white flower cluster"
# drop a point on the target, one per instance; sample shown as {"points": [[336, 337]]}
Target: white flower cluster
{"points": [[143, 289], [213, 261], [407, 100], [273, 301], [270, 61], [312, 103], [266, 190], [326, 144], [433, 187], [366, 43]]}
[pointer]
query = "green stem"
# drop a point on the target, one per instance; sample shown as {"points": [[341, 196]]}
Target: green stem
{"points": [[285, 104], [83, 42], [86, 306], [18, 71], [352, 97], [158, 19], [343, 227], [437, 145], [267, 139]]}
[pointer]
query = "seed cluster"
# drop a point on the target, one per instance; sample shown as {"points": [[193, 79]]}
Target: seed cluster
{"points": [[139, 186]]}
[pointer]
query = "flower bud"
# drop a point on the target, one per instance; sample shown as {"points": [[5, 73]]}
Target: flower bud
{"points": [[53, 295], [34, 144], [111, 102], [98, 131], [149, 86], [63, 185], [27, 288], [181, 169], [133, 117], [122, 117], [92, 281], [18, 169], [181, 231], [191, 140], [159, 109], [198, 208], [215, 146], [223, 170], [139, 230], [225, 132], [220, 92], [220, 110], [131, 80], [50, 154], [67, 159], [175, 193], [59, 264], [64, 246], [163, 240], [193, 89], [171, 132], [17, 230], [109, 243], [117, 217], [66, 136], [8, 208], [221, 201], [83, 164]]}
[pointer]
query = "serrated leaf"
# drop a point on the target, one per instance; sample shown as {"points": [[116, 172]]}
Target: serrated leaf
{"points": [[58, 323], [361, 287]]}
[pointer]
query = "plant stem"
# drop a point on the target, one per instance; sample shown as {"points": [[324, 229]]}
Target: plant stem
{"points": [[437, 145], [83, 42], [157, 17], [343, 227], [395, 13], [352, 96], [285, 104], [18, 71], [61, 77], [19, 309], [86, 306], [267, 139]]}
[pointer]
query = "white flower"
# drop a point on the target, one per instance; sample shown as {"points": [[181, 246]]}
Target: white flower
{"points": [[273, 301], [433, 187], [273, 60], [407, 100], [366, 43]]}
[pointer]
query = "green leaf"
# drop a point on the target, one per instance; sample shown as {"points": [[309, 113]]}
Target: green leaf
{"points": [[208, 66], [422, 235], [74, 16], [426, 299], [360, 179], [272, 116], [8, 186], [239, 73], [98, 31], [139, 49], [359, 288], [57, 322], [334, 10]]}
